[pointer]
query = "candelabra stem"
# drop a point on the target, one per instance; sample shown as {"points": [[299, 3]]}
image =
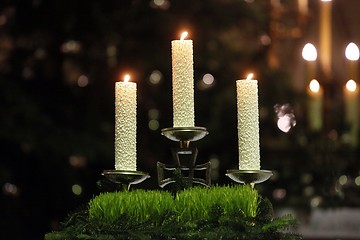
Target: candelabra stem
{"points": [[185, 158], [184, 144]]}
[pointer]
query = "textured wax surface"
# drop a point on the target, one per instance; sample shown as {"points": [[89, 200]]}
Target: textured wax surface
{"points": [[248, 124], [125, 126], [183, 83]]}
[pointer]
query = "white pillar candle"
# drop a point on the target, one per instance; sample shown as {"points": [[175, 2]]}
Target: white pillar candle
{"points": [[125, 125], [182, 82], [248, 124]]}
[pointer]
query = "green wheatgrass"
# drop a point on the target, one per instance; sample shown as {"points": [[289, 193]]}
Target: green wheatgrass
{"points": [[188, 205]]}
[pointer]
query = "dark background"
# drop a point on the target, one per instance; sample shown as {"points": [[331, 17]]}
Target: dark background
{"points": [[59, 61]]}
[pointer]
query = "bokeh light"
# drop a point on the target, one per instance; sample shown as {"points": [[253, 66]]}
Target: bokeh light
{"points": [[76, 189], [314, 86], [286, 117], [279, 194], [352, 52], [83, 81], [309, 52], [155, 77], [351, 85], [10, 189]]}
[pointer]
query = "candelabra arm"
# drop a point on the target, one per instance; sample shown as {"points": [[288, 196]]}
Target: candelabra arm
{"points": [[251, 177], [125, 178]]}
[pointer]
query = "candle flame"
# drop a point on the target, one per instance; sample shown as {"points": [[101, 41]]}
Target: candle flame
{"points": [[126, 78], [183, 35], [250, 76]]}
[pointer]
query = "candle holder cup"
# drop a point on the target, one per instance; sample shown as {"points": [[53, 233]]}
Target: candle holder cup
{"points": [[184, 135], [251, 177], [125, 178]]}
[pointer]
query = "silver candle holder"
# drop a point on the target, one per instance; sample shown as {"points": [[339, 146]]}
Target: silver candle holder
{"points": [[251, 177], [125, 178], [184, 135]]}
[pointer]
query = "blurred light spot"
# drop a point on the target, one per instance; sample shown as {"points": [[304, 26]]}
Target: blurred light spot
{"points": [[275, 176], [83, 81], [296, 32], [153, 113], [155, 77], [309, 191], [333, 135], [309, 52], [208, 79], [343, 180], [111, 51], [71, 46], [40, 53], [315, 201], [314, 86], [352, 52], [26, 147], [214, 175], [284, 123], [306, 178], [338, 189], [36, 3], [286, 117], [76, 189], [71, 71], [153, 124], [10, 189], [3, 20], [215, 162], [206, 82], [249, 1], [77, 161], [279, 194], [160, 4], [351, 85], [27, 73], [357, 181], [265, 40]]}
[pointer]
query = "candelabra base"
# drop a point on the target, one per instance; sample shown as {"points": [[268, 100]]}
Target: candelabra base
{"points": [[185, 158], [249, 176], [178, 171], [125, 178]]}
